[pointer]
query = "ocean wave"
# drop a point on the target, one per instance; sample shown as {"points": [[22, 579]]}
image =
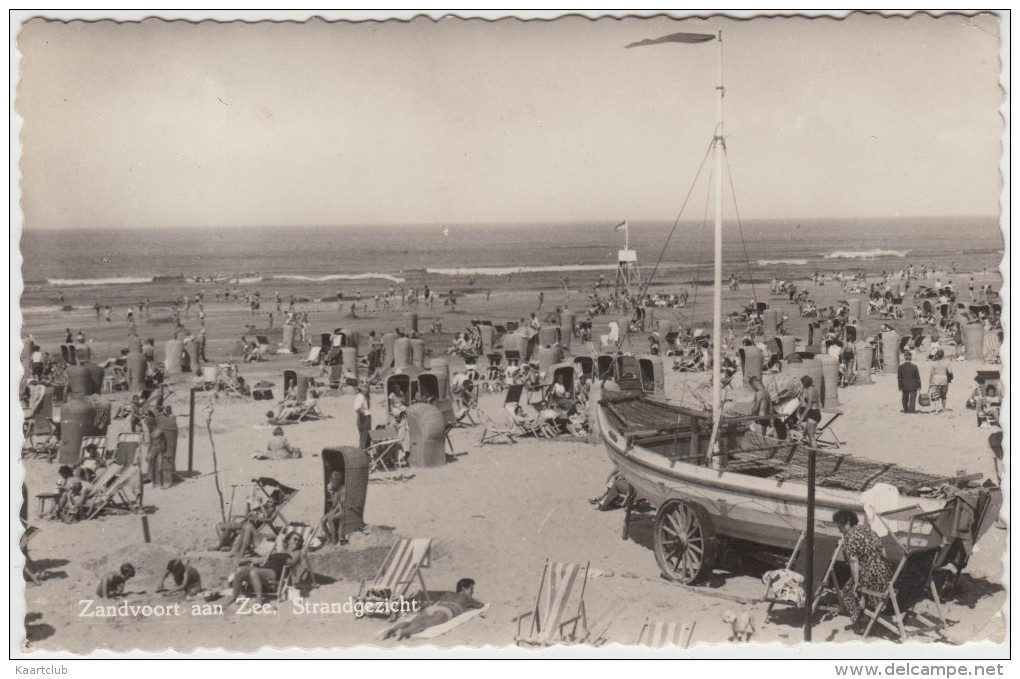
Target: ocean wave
{"points": [[66, 282], [342, 277], [865, 254], [40, 309], [771, 262]]}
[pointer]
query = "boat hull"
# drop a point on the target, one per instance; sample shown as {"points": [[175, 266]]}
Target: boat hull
{"points": [[742, 507]]}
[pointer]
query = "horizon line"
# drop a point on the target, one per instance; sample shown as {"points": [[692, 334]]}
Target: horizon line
{"points": [[440, 223]]}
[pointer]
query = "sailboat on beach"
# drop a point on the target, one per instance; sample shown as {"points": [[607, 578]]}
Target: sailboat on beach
{"points": [[711, 476]]}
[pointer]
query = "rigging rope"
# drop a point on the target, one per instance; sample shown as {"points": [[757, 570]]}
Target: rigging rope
{"points": [[644, 288]]}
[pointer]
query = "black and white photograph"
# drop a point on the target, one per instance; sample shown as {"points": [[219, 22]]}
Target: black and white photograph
{"points": [[675, 335]]}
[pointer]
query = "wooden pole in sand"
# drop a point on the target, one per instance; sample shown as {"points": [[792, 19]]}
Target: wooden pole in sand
{"points": [[191, 432], [809, 545], [216, 472]]}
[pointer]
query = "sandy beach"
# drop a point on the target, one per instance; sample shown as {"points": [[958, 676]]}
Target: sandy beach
{"points": [[496, 513]]}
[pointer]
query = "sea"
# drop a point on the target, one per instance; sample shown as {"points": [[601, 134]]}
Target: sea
{"points": [[139, 262]]}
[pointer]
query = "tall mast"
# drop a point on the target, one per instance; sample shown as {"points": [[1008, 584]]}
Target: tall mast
{"points": [[717, 299]]}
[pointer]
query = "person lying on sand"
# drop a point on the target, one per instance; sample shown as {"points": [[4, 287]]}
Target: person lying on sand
{"points": [[112, 584], [444, 610], [186, 578]]}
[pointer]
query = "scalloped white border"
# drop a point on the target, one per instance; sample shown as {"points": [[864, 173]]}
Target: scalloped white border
{"points": [[930, 652]]}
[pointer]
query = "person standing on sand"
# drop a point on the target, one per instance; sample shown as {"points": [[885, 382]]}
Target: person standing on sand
{"points": [[809, 414], [938, 383], [362, 408], [37, 363], [541, 300], [909, 381]]}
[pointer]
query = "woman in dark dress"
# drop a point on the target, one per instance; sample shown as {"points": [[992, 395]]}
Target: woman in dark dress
{"points": [[862, 549]]}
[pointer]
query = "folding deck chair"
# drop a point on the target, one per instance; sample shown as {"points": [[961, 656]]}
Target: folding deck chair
{"points": [[526, 424], [41, 438], [827, 552], [386, 451], [495, 432], [308, 411], [401, 569], [277, 493], [288, 580], [915, 549], [549, 624], [658, 634], [98, 441], [314, 356], [111, 487], [825, 435]]}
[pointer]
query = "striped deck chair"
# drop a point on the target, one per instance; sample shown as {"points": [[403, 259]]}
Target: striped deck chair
{"points": [[114, 492], [494, 432], [401, 569], [98, 441], [549, 624], [295, 576], [658, 634]]}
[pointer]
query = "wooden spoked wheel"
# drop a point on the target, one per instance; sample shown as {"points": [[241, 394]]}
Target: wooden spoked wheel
{"points": [[685, 543]]}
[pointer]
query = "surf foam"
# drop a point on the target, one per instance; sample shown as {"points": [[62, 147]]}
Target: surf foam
{"points": [[66, 282], [772, 262], [864, 254], [342, 277]]}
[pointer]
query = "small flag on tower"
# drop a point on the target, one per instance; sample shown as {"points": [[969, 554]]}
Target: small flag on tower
{"points": [[621, 226]]}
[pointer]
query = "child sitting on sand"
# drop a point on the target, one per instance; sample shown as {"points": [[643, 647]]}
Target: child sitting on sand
{"points": [[186, 578], [112, 584]]}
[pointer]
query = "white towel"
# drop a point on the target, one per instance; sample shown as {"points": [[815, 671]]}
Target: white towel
{"points": [[881, 497]]}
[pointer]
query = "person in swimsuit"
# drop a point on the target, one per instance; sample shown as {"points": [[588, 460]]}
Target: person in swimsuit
{"points": [[444, 610], [112, 584], [809, 414], [186, 578], [332, 521], [265, 576]]}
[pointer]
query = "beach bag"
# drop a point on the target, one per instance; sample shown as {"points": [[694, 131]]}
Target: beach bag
{"points": [[923, 400]]}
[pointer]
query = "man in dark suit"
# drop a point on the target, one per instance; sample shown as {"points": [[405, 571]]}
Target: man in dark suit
{"points": [[909, 380]]}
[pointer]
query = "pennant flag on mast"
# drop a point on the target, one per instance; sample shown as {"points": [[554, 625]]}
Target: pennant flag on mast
{"points": [[689, 38], [621, 226]]}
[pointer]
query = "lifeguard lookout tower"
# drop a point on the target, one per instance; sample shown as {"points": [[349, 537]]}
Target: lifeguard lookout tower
{"points": [[628, 275]]}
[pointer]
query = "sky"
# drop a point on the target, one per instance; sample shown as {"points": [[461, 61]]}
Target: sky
{"points": [[176, 124]]}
